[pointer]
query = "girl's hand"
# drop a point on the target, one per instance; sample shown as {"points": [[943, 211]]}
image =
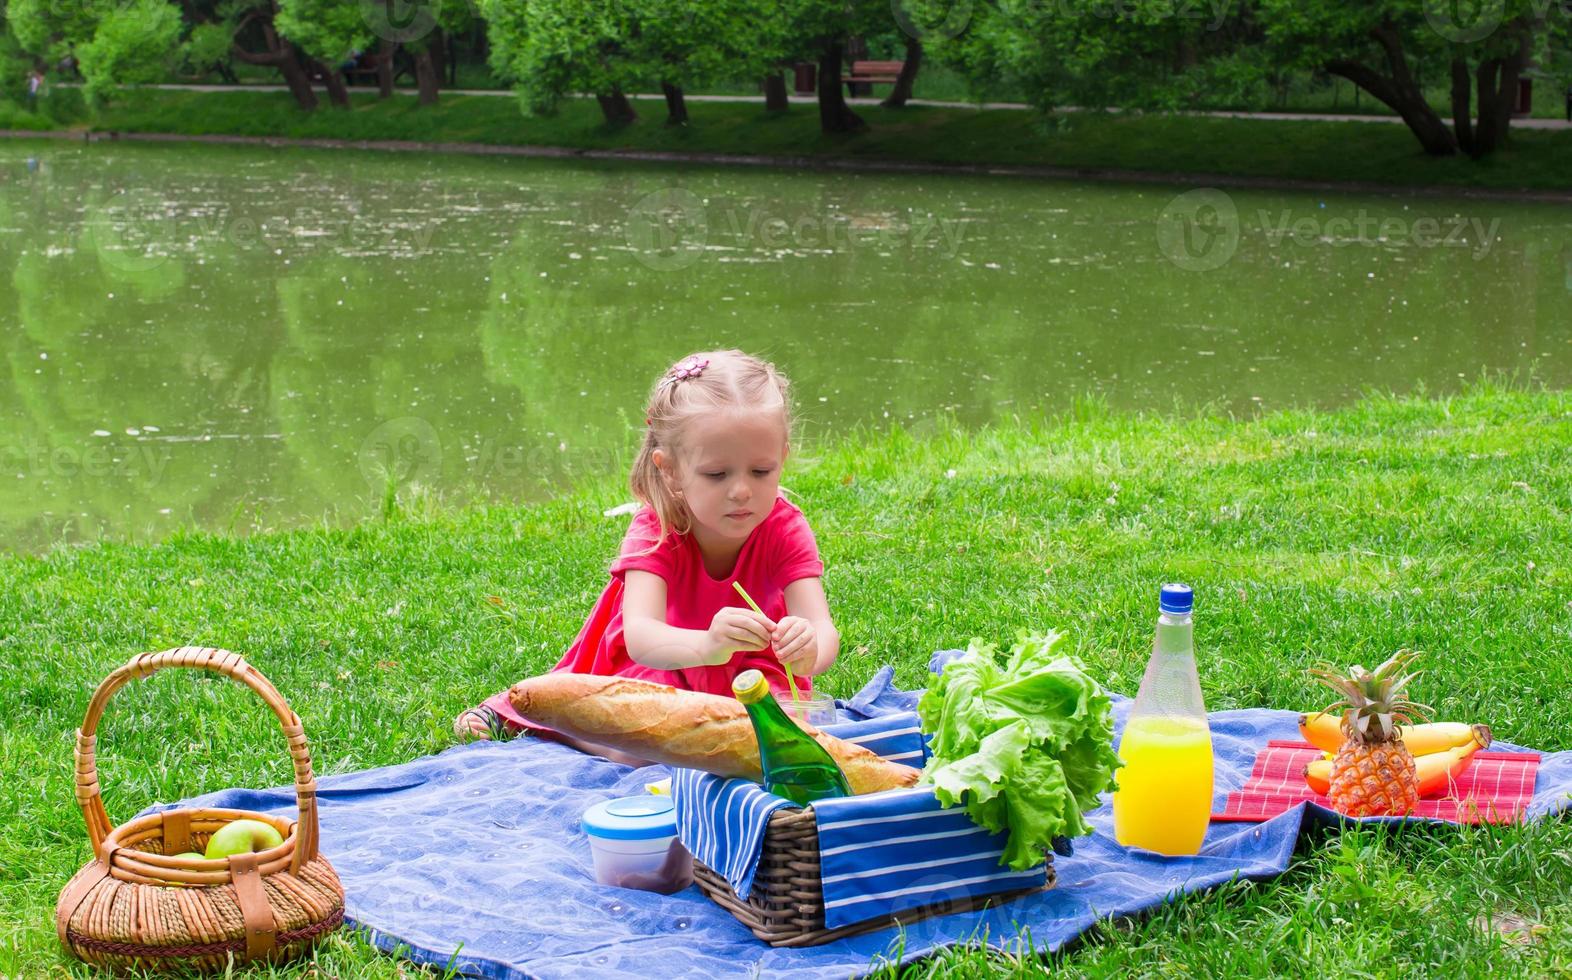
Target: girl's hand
{"points": [[796, 644], [734, 629]]}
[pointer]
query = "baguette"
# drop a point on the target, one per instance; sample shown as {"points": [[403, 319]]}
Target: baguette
{"points": [[679, 728]]}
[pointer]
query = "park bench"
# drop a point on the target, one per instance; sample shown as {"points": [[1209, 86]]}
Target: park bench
{"points": [[874, 72], [366, 67]]}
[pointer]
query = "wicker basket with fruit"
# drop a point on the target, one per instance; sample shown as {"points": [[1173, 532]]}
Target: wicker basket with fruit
{"points": [[197, 888]]}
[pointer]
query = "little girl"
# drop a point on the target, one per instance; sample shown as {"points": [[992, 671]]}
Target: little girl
{"points": [[708, 476]]}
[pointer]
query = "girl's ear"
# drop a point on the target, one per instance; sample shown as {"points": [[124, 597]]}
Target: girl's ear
{"points": [[663, 462]]}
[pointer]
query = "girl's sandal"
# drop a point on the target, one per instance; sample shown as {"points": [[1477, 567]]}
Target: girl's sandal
{"points": [[496, 730]]}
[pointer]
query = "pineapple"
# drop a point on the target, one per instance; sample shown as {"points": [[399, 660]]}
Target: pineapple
{"points": [[1373, 772]]}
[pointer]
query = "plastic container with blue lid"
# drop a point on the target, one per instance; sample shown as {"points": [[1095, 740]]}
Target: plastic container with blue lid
{"points": [[634, 843]]}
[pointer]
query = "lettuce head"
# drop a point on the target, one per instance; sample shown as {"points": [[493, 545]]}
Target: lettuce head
{"points": [[1024, 743]]}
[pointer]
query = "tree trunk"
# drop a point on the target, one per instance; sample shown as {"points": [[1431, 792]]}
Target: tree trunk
{"points": [[1485, 81], [1400, 92], [616, 108], [426, 77], [437, 44], [856, 49], [1496, 81], [676, 106], [1422, 120], [835, 116], [1511, 71], [1462, 109], [385, 54], [299, 83], [338, 92], [908, 76], [775, 93], [280, 56]]}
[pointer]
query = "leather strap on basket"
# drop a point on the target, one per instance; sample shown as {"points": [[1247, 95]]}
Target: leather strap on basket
{"points": [[176, 831], [88, 794], [261, 929]]}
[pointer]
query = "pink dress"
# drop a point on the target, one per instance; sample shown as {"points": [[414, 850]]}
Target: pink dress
{"points": [[780, 551]]}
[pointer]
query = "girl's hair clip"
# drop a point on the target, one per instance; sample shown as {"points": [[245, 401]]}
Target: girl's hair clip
{"points": [[690, 368]]}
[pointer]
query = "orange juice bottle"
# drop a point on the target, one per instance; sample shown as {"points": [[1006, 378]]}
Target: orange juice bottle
{"points": [[1164, 799]]}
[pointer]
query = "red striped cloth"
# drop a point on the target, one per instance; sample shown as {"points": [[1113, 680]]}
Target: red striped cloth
{"points": [[1495, 788]]}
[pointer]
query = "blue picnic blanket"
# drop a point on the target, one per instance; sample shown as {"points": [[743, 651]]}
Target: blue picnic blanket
{"points": [[474, 858]]}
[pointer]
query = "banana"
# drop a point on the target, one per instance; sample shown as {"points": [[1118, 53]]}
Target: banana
{"points": [[1324, 731], [1435, 771], [1318, 775], [1441, 736], [1438, 769]]}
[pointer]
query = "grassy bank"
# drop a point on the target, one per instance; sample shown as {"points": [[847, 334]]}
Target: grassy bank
{"points": [[1336, 151], [1444, 525]]}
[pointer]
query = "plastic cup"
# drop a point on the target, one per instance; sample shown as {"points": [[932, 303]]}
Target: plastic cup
{"points": [[815, 711]]}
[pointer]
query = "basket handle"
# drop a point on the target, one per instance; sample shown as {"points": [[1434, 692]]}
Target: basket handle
{"points": [[233, 666]]}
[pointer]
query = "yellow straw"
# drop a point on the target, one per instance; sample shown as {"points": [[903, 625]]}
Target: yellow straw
{"points": [[790, 680]]}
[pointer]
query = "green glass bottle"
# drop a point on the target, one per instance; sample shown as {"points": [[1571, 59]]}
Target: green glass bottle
{"points": [[795, 766]]}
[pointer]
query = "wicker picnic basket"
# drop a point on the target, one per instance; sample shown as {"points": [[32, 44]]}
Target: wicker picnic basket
{"points": [[786, 907], [134, 905]]}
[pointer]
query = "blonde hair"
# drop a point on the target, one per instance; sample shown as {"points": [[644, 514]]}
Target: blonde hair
{"points": [[731, 380]]}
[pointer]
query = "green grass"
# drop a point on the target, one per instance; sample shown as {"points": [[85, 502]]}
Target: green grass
{"points": [[1441, 524], [1335, 151]]}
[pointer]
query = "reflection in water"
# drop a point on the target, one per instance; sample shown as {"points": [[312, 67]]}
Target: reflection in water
{"points": [[236, 339]]}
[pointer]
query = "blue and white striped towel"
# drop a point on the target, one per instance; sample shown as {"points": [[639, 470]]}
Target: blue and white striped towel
{"points": [[722, 821], [900, 849], [879, 854]]}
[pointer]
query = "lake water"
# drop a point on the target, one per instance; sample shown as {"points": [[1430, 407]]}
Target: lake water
{"points": [[236, 338]]}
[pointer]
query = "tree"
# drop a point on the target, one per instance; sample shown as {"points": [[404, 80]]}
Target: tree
{"points": [[47, 30], [684, 44], [326, 31], [429, 47], [207, 50], [15, 63], [1387, 48], [1166, 55], [255, 39], [552, 48], [1152, 54], [907, 79], [816, 30], [116, 44], [555, 47], [131, 45], [420, 30]]}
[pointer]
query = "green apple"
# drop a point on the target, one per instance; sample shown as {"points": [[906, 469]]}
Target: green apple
{"points": [[190, 854], [240, 836]]}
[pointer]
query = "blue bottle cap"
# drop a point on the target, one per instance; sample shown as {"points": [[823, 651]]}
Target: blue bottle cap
{"points": [[1175, 597], [644, 817]]}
